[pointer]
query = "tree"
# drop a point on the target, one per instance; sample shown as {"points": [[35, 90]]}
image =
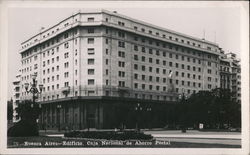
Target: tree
{"points": [[27, 126], [214, 109], [10, 110]]}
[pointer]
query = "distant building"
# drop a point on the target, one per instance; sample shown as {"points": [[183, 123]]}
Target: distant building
{"points": [[230, 74], [91, 61], [17, 94]]}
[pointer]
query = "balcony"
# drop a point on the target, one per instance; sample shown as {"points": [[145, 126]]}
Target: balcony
{"points": [[65, 90]]}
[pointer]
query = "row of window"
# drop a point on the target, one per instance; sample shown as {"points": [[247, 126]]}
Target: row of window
{"points": [[66, 35], [157, 79], [158, 53], [171, 38], [49, 43], [163, 88], [157, 70]]}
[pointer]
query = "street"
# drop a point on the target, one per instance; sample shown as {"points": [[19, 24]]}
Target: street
{"points": [[194, 136]]}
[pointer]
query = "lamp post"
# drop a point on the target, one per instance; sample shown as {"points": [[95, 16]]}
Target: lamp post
{"points": [[34, 91], [58, 107], [139, 109]]}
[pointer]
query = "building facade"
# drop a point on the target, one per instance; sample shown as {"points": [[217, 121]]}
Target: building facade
{"points": [[91, 62], [17, 95]]}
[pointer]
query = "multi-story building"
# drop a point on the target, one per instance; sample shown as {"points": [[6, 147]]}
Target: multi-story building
{"points": [[17, 91], [91, 61]]}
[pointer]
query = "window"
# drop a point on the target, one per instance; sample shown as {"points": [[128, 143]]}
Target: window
{"points": [[121, 64], [66, 55], [150, 51], [91, 40], [91, 81], [209, 63], [209, 86], [121, 74], [91, 51], [143, 49], [66, 45], [66, 74], [150, 69], [150, 60], [107, 41], [194, 68], [121, 44], [199, 69], [136, 85], [164, 71], [121, 83], [91, 71], [170, 64], [121, 54], [91, 30], [209, 71], [66, 35], [176, 65], [157, 70], [107, 72], [66, 64], [157, 53], [91, 61], [135, 47], [107, 61], [176, 73], [143, 68], [121, 34], [182, 74], [135, 76], [91, 19], [121, 23], [135, 57], [57, 68], [182, 83], [157, 79], [157, 61], [135, 66], [143, 58]]}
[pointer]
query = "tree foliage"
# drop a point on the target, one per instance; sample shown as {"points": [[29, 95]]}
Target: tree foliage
{"points": [[27, 126], [214, 109]]}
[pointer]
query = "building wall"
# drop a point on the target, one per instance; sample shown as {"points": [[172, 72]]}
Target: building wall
{"points": [[107, 54], [194, 67]]}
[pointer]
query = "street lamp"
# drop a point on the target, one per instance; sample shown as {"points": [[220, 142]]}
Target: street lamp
{"points": [[33, 90], [139, 109]]}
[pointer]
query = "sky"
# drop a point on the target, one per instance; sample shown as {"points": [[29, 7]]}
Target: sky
{"points": [[220, 24]]}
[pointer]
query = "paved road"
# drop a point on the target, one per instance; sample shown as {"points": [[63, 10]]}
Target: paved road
{"points": [[194, 136], [191, 136]]}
